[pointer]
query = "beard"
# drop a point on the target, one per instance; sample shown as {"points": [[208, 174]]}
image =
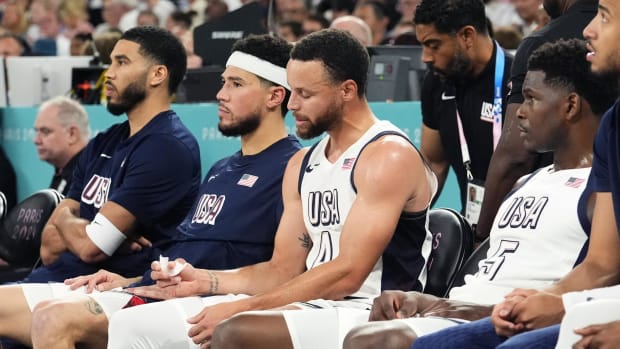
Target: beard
{"points": [[458, 68], [241, 127], [133, 94], [322, 123]]}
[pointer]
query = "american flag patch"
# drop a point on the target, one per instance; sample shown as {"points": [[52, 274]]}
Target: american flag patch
{"points": [[574, 182], [247, 180], [347, 164]]}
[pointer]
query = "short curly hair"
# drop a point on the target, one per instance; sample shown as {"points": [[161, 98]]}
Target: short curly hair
{"points": [[342, 55], [565, 66], [449, 16]]}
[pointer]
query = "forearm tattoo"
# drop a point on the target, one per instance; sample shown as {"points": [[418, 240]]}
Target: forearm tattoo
{"points": [[306, 242], [215, 282], [93, 307]]}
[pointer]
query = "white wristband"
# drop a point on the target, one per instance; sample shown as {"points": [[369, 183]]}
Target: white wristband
{"points": [[104, 234]]}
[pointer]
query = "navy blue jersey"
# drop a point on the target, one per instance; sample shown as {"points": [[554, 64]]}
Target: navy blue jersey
{"points": [[606, 163], [154, 174], [235, 217]]}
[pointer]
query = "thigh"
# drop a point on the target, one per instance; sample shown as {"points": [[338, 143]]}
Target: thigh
{"points": [[322, 328], [544, 338], [475, 334], [154, 325]]}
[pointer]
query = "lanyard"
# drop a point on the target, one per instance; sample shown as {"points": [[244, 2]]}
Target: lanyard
{"points": [[497, 112]]}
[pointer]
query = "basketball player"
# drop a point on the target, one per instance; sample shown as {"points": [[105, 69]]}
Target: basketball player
{"points": [[347, 231], [135, 181], [225, 228], [542, 227]]}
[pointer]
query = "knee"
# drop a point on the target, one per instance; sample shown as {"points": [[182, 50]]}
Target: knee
{"points": [[383, 334], [235, 332], [47, 319]]}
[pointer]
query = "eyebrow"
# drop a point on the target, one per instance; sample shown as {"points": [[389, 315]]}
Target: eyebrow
{"points": [[121, 56]]}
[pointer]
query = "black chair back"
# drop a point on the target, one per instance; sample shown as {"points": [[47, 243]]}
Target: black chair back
{"points": [[453, 241], [20, 231], [3, 206], [471, 264]]}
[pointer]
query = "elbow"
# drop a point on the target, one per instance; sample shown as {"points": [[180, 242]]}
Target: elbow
{"points": [[349, 284], [92, 254]]}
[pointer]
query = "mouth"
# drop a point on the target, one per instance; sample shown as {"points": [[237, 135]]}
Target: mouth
{"points": [[109, 89], [591, 52], [222, 110]]}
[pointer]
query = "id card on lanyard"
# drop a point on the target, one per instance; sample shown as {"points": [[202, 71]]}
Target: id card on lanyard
{"points": [[475, 188]]}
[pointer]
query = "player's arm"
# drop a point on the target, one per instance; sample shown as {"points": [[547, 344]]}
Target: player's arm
{"points": [[52, 243], [368, 228], [96, 240], [434, 153]]}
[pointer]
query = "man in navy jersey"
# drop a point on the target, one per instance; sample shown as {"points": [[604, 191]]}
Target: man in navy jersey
{"points": [[233, 220], [134, 182], [346, 232]]}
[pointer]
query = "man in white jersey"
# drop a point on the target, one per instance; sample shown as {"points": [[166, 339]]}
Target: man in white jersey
{"points": [[542, 227], [346, 233]]}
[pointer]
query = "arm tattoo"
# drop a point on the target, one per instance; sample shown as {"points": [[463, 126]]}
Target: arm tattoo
{"points": [[214, 282], [93, 307], [306, 242]]}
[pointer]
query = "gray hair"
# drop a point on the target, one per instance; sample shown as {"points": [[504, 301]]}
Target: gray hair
{"points": [[70, 112]]}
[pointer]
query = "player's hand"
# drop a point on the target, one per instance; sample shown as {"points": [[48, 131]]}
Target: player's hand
{"points": [[503, 318], [603, 336], [102, 280], [184, 284], [539, 310], [204, 322], [135, 245], [394, 305]]}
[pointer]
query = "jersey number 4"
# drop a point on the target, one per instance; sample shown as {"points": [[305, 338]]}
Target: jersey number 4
{"points": [[326, 250]]}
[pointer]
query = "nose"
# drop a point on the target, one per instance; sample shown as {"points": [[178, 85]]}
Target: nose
{"points": [[292, 104], [588, 31], [427, 57], [221, 94], [520, 113]]}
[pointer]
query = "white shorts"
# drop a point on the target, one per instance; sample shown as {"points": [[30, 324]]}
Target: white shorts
{"points": [[164, 324], [580, 315], [431, 324], [110, 301]]}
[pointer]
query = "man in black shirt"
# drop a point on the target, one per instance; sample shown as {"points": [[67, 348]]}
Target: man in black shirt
{"points": [[469, 77]]}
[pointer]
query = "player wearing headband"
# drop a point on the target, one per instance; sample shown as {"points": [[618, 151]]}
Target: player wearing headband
{"points": [[232, 222]]}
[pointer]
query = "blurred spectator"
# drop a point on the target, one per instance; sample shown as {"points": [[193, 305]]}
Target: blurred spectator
{"points": [[356, 27], [508, 37], [161, 8], [407, 10], [374, 13], [291, 10], [147, 18], [290, 31], [528, 11], [215, 9], [8, 181], [79, 42], [45, 29], [112, 12], [403, 34], [502, 13], [73, 15], [61, 132], [14, 17], [13, 45], [313, 23], [199, 7], [333, 9]]}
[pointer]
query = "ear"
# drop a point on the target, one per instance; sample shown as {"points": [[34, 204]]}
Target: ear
{"points": [[573, 107], [73, 134], [349, 90], [467, 35], [276, 97], [158, 74]]}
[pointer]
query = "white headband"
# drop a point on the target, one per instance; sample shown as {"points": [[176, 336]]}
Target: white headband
{"points": [[260, 67]]}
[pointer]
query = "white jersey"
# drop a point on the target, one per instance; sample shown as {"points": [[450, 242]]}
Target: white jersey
{"points": [[328, 191], [539, 234]]}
